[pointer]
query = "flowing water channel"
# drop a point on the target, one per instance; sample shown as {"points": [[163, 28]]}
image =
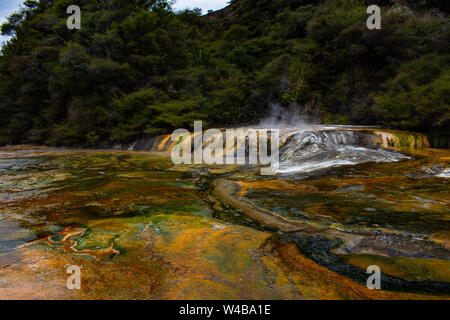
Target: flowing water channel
{"points": [[142, 228]]}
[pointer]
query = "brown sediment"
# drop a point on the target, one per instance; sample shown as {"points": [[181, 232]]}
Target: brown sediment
{"points": [[360, 241], [69, 244], [227, 190], [162, 145], [269, 184], [20, 147], [317, 282], [403, 267], [393, 139], [168, 250]]}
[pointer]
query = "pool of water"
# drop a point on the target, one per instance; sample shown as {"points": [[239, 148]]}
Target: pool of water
{"points": [[141, 228]]}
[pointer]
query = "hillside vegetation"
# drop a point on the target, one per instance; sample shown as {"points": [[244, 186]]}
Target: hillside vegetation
{"points": [[136, 67]]}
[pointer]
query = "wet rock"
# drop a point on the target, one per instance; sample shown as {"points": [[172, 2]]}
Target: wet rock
{"points": [[437, 170]]}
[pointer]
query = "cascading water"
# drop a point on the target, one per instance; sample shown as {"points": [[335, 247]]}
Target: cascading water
{"points": [[306, 149], [311, 150]]}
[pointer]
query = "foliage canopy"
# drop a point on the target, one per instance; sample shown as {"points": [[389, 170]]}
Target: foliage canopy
{"points": [[136, 67]]}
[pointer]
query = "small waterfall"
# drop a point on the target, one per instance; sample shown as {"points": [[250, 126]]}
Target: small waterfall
{"points": [[311, 150], [307, 149], [304, 143]]}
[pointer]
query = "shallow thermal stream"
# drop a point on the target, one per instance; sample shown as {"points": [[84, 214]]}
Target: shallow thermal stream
{"points": [[142, 228]]}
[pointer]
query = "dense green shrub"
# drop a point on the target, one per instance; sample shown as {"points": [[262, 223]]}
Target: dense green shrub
{"points": [[136, 67]]}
